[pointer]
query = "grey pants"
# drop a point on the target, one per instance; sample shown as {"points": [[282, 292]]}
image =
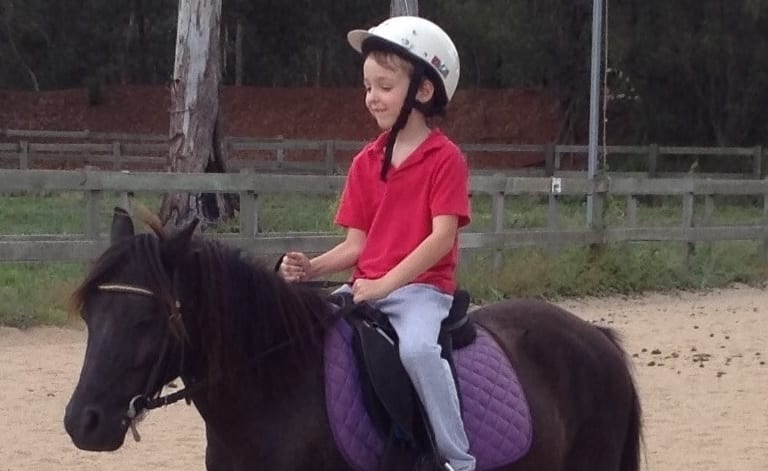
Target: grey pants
{"points": [[415, 312]]}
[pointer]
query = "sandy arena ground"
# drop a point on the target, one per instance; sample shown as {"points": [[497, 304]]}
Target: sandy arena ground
{"points": [[700, 361]]}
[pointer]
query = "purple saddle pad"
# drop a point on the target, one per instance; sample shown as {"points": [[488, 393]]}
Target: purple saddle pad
{"points": [[494, 408]]}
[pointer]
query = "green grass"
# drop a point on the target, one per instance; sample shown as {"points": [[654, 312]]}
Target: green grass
{"points": [[632, 267], [57, 213], [292, 212], [37, 293]]}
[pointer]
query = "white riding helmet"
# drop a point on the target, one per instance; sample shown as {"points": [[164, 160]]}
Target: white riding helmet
{"points": [[421, 40]]}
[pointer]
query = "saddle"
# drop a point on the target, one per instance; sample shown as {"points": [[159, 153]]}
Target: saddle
{"points": [[388, 394]]}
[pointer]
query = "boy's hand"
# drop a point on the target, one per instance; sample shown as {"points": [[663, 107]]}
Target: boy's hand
{"points": [[370, 290], [294, 267]]}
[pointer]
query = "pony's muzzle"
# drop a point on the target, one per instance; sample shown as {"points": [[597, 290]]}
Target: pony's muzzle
{"points": [[90, 429]]}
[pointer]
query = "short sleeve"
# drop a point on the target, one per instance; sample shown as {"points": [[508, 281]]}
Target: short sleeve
{"points": [[450, 187]]}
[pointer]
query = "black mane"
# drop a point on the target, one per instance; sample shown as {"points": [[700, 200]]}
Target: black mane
{"points": [[239, 314]]}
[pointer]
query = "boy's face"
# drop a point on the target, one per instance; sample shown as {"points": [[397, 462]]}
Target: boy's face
{"points": [[386, 80]]}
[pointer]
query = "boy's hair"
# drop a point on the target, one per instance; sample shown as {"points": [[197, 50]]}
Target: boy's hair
{"points": [[389, 57], [391, 61]]}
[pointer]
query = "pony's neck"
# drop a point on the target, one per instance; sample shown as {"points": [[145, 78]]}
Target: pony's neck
{"points": [[247, 324]]}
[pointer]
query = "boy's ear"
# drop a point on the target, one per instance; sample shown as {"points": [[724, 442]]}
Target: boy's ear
{"points": [[426, 91]]}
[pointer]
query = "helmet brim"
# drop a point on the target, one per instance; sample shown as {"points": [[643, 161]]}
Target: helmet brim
{"points": [[356, 37]]}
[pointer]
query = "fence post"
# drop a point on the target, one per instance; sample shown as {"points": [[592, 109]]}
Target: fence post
{"points": [[709, 214], [688, 209], [757, 163], [631, 210], [497, 219], [549, 159], [597, 191], [116, 148], [330, 147], [280, 152], [553, 213], [709, 210], [24, 155], [249, 215], [653, 160]]}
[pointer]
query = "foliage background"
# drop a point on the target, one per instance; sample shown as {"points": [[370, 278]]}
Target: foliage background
{"points": [[686, 72]]}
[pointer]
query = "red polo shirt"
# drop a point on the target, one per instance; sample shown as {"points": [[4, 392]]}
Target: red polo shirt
{"points": [[397, 214]]}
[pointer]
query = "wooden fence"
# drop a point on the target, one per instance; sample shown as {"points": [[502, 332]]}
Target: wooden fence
{"points": [[94, 184], [46, 149]]}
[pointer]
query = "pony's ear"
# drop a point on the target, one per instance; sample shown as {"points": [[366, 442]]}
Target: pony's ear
{"points": [[177, 245], [122, 225]]}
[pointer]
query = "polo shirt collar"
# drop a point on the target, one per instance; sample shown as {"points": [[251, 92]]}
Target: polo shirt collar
{"points": [[434, 140]]}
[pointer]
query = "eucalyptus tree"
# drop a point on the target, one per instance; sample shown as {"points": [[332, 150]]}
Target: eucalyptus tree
{"points": [[195, 129], [404, 7]]}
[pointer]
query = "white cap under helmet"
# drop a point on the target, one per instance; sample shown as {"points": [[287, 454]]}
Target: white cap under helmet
{"points": [[422, 40]]}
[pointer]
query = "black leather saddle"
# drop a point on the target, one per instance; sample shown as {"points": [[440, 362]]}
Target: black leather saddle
{"points": [[388, 393]]}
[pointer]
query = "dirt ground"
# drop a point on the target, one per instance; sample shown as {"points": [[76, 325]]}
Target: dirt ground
{"points": [[699, 359]]}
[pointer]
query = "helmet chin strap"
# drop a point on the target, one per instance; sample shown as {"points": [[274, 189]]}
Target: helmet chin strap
{"points": [[410, 102]]}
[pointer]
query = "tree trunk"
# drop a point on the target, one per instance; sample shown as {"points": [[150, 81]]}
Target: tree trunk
{"points": [[404, 7], [194, 132]]}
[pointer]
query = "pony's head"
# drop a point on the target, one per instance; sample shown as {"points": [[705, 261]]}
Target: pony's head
{"points": [[134, 332], [159, 306]]}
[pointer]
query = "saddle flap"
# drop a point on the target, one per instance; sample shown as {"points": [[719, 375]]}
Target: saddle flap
{"points": [[382, 366]]}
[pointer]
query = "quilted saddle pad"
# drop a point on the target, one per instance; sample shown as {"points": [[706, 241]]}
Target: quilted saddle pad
{"points": [[494, 408]]}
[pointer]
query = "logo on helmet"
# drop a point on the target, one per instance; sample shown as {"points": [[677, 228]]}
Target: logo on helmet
{"points": [[442, 68]]}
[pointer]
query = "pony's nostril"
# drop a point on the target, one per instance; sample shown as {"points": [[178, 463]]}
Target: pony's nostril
{"points": [[91, 420]]}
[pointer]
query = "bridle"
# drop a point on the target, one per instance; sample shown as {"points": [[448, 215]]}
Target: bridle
{"points": [[140, 404], [143, 403], [119, 288]]}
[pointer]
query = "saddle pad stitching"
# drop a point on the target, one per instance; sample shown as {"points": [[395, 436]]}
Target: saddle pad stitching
{"points": [[505, 440]]}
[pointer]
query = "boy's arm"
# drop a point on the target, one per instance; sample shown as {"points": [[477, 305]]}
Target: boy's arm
{"points": [[339, 258], [427, 254]]}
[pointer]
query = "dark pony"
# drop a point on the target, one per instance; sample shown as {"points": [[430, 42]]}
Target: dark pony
{"points": [[248, 347]]}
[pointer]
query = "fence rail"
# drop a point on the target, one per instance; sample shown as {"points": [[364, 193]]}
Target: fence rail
{"points": [[23, 149], [94, 183]]}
